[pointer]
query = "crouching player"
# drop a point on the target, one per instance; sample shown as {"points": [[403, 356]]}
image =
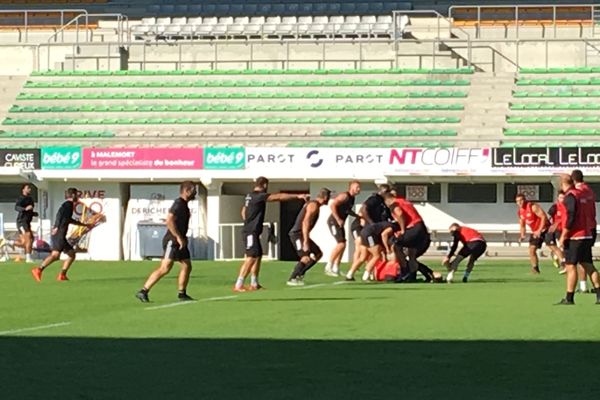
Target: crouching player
{"points": [[473, 246], [374, 239]]}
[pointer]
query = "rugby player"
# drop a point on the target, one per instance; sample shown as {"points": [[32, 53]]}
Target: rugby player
{"points": [[473, 246], [590, 197], [24, 207]]}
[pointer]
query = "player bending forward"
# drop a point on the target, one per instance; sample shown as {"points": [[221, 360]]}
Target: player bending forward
{"points": [[308, 251], [175, 245], [64, 217], [473, 246], [375, 238]]}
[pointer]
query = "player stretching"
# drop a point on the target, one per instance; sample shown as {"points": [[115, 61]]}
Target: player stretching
{"points": [[557, 213], [341, 207], [253, 214], [175, 245], [308, 251], [531, 215], [590, 198], [576, 239], [24, 206], [64, 217], [473, 246]]}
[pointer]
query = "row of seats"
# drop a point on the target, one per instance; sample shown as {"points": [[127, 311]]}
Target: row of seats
{"points": [[362, 144], [242, 83], [551, 119], [352, 71], [558, 81], [553, 132], [558, 93], [560, 70], [241, 95], [235, 108], [555, 106], [547, 144], [233, 120], [55, 134], [210, 27], [388, 132], [524, 22]]}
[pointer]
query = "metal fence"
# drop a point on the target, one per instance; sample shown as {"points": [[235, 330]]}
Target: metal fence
{"points": [[230, 242], [28, 15]]}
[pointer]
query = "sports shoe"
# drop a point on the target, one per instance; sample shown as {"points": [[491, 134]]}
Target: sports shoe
{"points": [[555, 261], [562, 270], [28, 258], [329, 272], [465, 279], [535, 271], [598, 302], [142, 296], [239, 289], [184, 297], [253, 288], [350, 279], [295, 282], [37, 274], [62, 277], [565, 302]]}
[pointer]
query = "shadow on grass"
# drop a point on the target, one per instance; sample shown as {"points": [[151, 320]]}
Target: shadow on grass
{"points": [[295, 299], [94, 368]]}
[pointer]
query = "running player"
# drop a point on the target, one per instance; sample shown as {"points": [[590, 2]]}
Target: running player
{"points": [[557, 214], [341, 207], [64, 217], [531, 215], [473, 246], [590, 197], [576, 239], [308, 251], [175, 245], [253, 214], [374, 238], [24, 207]]}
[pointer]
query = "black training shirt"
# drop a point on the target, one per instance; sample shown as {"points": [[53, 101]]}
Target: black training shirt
{"points": [[181, 211], [297, 228], [24, 216], [64, 217], [255, 204], [376, 209]]}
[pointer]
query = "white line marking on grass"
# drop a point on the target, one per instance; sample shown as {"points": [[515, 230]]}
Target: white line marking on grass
{"points": [[34, 328], [340, 283], [311, 286], [182, 303]]}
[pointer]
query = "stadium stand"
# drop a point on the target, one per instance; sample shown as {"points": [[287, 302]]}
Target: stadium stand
{"points": [[248, 107]]}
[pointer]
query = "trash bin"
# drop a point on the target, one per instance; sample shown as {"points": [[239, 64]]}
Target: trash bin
{"points": [[151, 234]]}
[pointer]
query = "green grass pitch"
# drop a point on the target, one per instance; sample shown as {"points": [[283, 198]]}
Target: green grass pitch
{"points": [[497, 337]]}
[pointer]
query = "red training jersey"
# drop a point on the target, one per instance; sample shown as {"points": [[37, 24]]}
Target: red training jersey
{"points": [[588, 203], [531, 219], [581, 226], [466, 234], [410, 213], [560, 217]]}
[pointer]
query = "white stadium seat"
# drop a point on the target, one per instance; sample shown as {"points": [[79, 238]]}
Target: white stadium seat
{"points": [[210, 21], [188, 30], [163, 21], [257, 20], [225, 20], [148, 21], [172, 30], [179, 21], [321, 20], [305, 20], [289, 20], [384, 19], [352, 19], [241, 20], [195, 21]]}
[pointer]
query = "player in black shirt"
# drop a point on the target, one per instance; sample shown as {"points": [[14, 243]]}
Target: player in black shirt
{"points": [[24, 207], [307, 250], [253, 214], [175, 245], [341, 207], [64, 217]]}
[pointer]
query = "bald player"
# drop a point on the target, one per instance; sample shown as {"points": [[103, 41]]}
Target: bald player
{"points": [[590, 198]]}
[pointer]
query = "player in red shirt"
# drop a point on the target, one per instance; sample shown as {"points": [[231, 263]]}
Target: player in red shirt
{"points": [[557, 214], [590, 197], [531, 215], [576, 239], [473, 246]]}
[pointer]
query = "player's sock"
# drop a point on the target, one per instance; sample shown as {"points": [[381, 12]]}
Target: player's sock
{"points": [[297, 270], [466, 275], [254, 280], [583, 286], [328, 266], [597, 294], [240, 282], [349, 275], [570, 297], [535, 269], [365, 276], [308, 266], [28, 258], [144, 290], [335, 268], [450, 276]]}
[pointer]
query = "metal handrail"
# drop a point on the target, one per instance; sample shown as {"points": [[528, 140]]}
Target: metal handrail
{"points": [[26, 14], [593, 8], [121, 29]]}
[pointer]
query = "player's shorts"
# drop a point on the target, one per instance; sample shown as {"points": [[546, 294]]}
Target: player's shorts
{"points": [[24, 227], [537, 242], [417, 238], [474, 249], [551, 239], [172, 250], [578, 251], [338, 232], [369, 238], [313, 248], [60, 243], [252, 245], [594, 234], [356, 228]]}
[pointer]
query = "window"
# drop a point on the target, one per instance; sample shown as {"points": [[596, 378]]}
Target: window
{"points": [[545, 191], [434, 191], [10, 191], [472, 193]]}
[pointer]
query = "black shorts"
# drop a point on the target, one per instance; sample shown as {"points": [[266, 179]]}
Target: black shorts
{"points": [[356, 228], [474, 249], [24, 227], [551, 238], [338, 232], [594, 234], [172, 250], [578, 251], [539, 241], [252, 245], [60, 243], [417, 238], [369, 238], [313, 248]]}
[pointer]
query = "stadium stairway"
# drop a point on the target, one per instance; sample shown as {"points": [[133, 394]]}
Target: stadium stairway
{"points": [[256, 107], [554, 106]]}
